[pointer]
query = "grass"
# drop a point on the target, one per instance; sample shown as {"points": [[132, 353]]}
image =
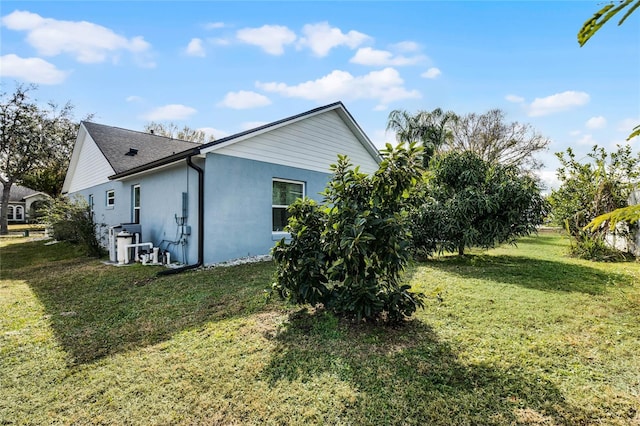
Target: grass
{"points": [[515, 335]]}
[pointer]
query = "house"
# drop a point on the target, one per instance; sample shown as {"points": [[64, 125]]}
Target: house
{"points": [[212, 202], [23, 203]]}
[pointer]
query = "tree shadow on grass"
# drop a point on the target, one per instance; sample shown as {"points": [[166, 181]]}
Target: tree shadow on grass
{"points": [[531, 273], [409, 376], [97, 310]]}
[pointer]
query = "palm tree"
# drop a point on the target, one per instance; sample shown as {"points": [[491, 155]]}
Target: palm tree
{"points": [[430, 128]]}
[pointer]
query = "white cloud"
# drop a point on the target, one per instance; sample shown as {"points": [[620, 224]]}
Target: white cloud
{"points": [[322, 37], [244, 100], [596, 122], [514, 98], [271, 38], [248, 125], [32, 70], [575, 133], [195, 48], [214, 25], [380, 137], [170, 112], [587, 139], [216, 133], [628, 124], [432, 73], [219, 41], [374, 57], [557, 103], [383, 86], [87, 42], [133, 98], [549, 178], [406, 46]]}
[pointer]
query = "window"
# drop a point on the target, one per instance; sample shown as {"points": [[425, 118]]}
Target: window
{"points": [[111, 198], [10, 213], [136, 203], [19, 215], [284, 193], [91, 204]]}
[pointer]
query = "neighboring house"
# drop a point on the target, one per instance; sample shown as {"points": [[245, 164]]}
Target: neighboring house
{"points": [[212, 202], [22, 203]]}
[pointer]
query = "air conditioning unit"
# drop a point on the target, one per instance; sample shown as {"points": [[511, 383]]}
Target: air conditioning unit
{"points": [[132, 228]]}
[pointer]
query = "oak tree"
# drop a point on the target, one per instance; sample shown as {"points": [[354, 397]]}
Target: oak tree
{"points": [[33, 139]]}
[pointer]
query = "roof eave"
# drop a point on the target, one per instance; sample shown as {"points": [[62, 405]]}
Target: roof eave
{"points": [[158, 163]]}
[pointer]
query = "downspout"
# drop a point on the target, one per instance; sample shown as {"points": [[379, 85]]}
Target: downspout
{"points": [[200, 224]]}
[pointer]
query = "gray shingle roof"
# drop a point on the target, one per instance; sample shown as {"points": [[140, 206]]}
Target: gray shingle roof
{"points": [[18, 192], [115, 143]]}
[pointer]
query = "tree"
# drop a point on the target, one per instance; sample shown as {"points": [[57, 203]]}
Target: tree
{"points": [[470, 202], [630, 213], [497, 141], [61, 132], [431, 129], [594, 187], [601, 17], [348, 253], [171, 130], [32, 139]]}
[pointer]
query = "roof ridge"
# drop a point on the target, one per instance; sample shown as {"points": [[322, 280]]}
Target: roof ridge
{"points": [[140, 132]]}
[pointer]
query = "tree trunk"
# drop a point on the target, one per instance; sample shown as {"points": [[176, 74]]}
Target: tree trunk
{"points": [[4, 207], [461, 249]]}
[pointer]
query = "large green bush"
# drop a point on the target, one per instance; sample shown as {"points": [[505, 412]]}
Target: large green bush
{"points": [[589, 190], [72, 221], [348, 253], [469, 202]]}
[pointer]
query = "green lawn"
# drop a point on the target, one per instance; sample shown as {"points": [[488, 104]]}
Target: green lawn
{"points": [[515, 335]]}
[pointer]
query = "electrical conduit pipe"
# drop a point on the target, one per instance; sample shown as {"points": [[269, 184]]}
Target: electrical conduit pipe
{"points": [[200, 223]]}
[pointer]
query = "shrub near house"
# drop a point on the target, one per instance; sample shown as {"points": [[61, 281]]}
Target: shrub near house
{"points": [[349, 253]]}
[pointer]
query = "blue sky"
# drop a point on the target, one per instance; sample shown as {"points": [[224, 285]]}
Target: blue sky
{"points": [[228, 66]]}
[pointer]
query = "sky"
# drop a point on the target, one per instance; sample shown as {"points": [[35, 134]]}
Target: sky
{"points": [[227, 66]]}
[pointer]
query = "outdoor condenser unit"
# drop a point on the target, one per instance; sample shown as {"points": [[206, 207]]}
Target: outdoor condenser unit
{"points": [[132, 228]]}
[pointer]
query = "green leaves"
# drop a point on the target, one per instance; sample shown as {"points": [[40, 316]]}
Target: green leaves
{"points": [[469, 202], [593, 187], [72, 221], [349, 253], [629, 214], [602, 16]]}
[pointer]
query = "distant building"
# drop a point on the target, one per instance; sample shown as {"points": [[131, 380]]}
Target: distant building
{"points": [[22, 203]]}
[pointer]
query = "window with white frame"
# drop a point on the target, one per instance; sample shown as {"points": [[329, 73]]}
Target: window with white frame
{"points": [[10, 213], [111, 198], [284, 193], [136, 203], [91, 204], [19, 213]]}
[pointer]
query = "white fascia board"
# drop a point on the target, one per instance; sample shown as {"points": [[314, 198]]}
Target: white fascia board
{"points": [[360, 134], [153, 170], [73, 163]]}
